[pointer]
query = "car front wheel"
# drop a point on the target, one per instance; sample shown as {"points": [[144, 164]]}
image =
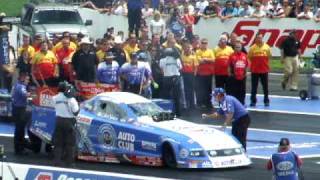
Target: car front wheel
{"points": [[169, 156]]}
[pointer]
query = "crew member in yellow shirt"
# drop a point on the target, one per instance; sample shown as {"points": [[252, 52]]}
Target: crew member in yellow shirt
{"points": [[259, 55], [222, 53], [131, 46], [44, 69], [105, 46], [189, 70], [206, 58]]}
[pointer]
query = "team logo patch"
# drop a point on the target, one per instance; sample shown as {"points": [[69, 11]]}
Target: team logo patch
{"points": [[107, 135]]}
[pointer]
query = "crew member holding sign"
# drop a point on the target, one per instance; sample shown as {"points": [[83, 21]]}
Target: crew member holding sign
{"points": [[233, 113], [64, 139]]}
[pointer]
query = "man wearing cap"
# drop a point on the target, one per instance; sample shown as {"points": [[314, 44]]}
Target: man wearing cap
{"points": [[135, 74], [170, 66], [285, 156], [64, 138], [118, 52], [290, 58], [108, 70], [85, 61], [233, 112]]}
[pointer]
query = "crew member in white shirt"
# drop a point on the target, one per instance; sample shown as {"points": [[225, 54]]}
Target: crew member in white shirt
{"points": [[64, 139], [171, 66]]}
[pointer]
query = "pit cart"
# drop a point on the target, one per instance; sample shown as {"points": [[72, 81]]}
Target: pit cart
{"points": [[313, 75]]}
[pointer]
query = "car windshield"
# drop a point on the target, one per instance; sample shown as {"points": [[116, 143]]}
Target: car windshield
{"points": [[145, 109], [56, 17]]}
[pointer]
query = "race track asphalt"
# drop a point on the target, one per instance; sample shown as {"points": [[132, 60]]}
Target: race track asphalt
{"points": [[257, 171]]}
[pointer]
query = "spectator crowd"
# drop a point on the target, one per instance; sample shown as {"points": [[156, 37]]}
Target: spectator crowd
{"points": [[300, 9]]}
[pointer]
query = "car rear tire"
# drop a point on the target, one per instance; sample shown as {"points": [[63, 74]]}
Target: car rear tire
{"points": [[169, 158]]}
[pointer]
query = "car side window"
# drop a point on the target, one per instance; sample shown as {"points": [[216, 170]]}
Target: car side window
{"points": [[109, 110]]}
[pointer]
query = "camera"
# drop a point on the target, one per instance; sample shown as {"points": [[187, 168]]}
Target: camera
{"points": [[68, 89]]}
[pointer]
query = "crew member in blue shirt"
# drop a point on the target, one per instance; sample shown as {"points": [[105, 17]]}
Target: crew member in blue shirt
{"points": [[19, 106], [134, 15], [233, 113], [285, 157], [107, 71], [135, 74]]}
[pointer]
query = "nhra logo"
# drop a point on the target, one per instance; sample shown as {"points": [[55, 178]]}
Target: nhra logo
{"points": [[44, 176]]}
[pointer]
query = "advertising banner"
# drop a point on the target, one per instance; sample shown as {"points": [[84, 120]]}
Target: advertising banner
{"points": [[88, 90], [43, 96]]}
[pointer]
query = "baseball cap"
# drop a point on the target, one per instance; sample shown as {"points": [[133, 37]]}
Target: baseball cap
{"points": [[109, 55], [134, 55], [218, 91], [284, 142]]}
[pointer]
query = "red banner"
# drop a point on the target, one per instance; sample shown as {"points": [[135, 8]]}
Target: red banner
{"points": [[43, 96], [88, 90]]}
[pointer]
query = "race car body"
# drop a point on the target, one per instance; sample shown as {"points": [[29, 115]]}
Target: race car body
{"points": [[124, 127]]}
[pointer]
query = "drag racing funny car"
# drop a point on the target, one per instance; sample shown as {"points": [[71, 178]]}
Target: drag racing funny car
{"points": [[125, 127]]}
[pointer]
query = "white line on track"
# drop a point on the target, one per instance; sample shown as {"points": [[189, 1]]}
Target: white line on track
{"points": [[112, 174], [276, 96], [283, 112], [270, 130]]}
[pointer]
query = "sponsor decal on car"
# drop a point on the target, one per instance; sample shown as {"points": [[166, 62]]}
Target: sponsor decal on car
{"points": [[107, 136], [147, 145], [206, 164], [146, 160], [126, 141], [84, 120]]}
